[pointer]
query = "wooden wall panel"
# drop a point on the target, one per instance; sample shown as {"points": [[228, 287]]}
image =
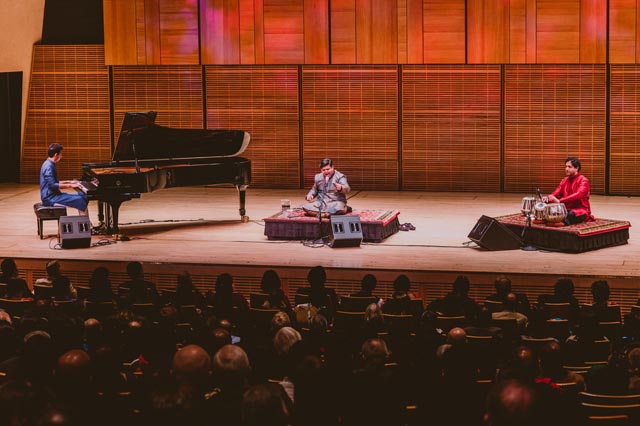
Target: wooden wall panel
{"points": [[262, 100], [623, 31], [552, 112], [148, 32], [343, 31], [376, 32], [415, 39], [558, 31], [220, 31], [350, 114], [518, 32], [119, 27], [179, 32], [316, 31], [247, 32], [593, 31], [625, 130], [402, 32], [283, 32], [444, 31], [68, 104], [487, 32], [451, 128], [174, 92]]}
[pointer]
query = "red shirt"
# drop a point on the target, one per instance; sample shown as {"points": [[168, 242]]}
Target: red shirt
{"points": [[574, 193]]}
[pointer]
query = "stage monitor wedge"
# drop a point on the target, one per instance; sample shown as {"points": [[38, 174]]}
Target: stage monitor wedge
{"points": [[75, 232], [346, 231], [490, 234]]}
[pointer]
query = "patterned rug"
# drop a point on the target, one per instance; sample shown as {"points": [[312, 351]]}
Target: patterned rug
{"points": [[381, 217], [598, 226]]}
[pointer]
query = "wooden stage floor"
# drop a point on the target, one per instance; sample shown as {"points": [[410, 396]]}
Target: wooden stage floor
{"points": [[200, 225]]}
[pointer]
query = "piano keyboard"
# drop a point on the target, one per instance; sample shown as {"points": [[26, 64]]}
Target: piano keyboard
{"points": [[86, 186]]}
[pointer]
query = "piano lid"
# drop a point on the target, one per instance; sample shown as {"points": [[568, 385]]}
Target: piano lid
{"points": [[139, 133]]}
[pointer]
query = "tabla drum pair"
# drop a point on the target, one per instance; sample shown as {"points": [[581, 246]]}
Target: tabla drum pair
{"points": [[552, 214]]}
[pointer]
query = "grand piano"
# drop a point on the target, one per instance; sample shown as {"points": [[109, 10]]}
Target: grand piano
{"points": [[149, 157]]}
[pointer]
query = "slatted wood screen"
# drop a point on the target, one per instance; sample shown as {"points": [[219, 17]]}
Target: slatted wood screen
{"points": [[68, 104], [551, 112], [174, 92], [624, 148], [262, 100], [350, 114], [451, 128]]}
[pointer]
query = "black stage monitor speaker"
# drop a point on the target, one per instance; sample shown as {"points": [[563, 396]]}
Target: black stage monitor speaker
{"points": [[346, 231], [75, 232], [492, 235]]}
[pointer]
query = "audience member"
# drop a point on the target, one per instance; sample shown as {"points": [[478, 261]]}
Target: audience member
{"points": [[186, 293], [502, 285], [403, 301], [271, 285], [226, 302], [17, 288], [61, 287], [367, 286], [323, 298], [100, 286], [510, 305], [457, 302], [266, 404], [551, 359], [137, 289]]}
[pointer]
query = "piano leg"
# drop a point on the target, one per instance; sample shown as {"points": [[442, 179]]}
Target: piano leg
{"points": [[242, 189], [112, 225]]}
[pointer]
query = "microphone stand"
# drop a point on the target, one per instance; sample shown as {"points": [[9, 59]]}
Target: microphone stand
{"points": [[527, 225], [322, 203]]}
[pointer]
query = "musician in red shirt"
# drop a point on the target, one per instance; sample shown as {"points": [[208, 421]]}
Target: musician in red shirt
{"points": [[573, 191]]}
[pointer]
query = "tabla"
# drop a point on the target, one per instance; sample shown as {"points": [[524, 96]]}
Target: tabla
{"points": [[527, 205], [538, 212], [555, 213]]}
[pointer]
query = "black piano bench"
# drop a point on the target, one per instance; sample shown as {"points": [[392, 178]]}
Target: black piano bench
{"points": [[48, 213]]}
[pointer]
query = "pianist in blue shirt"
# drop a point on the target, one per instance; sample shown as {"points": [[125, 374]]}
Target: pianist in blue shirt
{"points": [[50, 185]]}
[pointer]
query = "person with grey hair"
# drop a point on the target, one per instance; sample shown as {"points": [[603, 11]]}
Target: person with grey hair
{"points": [[230, 370], [329, 191], [284, 339], [374, 394]]}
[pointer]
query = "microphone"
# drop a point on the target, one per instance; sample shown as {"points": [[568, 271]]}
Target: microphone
{"points": [[538, 194]]}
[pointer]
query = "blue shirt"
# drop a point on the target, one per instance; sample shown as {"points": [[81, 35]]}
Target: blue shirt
{"points": [[49, 183]]}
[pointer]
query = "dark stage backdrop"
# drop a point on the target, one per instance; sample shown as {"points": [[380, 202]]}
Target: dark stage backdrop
{"points": [[10, 119]]}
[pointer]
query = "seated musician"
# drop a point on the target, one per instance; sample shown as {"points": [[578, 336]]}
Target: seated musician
{"points": [[573, 191], [329, 191], [50, 186]]}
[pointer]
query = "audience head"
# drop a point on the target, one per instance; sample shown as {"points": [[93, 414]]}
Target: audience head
{"points": [[134, 270], [53, 268], [270, 281], [524, 364], [402, 284], [191, 365], [74, 368], [219, 337], [461, 285], [317, 276], [231, 366], [457, 336], [514, 403], [375, 352], [99, 275], [551, 359], [266, 404], [284, 339], [563, 288], [511, 302], [224, 285], [184, 283], [373, 313], [368, 283], [634, 360], [280, 319], [600, 291], [9, 268], [502, 284], [318, 325]]}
